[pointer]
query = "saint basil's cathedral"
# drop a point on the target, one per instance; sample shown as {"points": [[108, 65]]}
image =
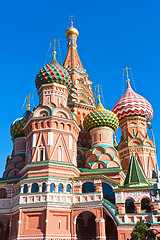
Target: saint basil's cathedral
{"points": [[67, 178]]}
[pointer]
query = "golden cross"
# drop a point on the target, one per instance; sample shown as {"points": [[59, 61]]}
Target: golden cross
{"points": [[98, 90], [71, 17], [127, 73], [98, 87], [28, 98], [55, 40]]}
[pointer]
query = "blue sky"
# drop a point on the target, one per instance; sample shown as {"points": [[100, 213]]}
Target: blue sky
{"points": [[113, 34]]}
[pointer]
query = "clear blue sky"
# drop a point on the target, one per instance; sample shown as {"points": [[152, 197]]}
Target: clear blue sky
{"points": [[113, 34]]}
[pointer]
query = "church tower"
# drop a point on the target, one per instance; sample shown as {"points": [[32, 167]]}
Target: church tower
{"points": [[134, 112], [52, 130], [81, 99]]}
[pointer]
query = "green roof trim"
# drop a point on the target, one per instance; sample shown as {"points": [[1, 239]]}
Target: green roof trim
{"points": [[47, 177], [104, 170], [97, 176]]}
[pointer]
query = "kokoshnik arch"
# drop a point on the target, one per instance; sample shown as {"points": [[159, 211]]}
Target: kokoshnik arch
{"points": [[67, 178]]}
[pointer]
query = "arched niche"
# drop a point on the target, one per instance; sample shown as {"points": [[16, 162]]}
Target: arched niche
{"points": [[86, 226], [145, 205], [129, 206]]}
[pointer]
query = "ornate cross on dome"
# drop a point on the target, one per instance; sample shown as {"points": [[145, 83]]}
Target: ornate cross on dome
{"points": [[71, 17], [28, 100], [54, 48], [127, 73], [98, 90]]}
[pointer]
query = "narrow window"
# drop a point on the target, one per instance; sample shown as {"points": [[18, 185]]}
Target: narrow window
{"points": [[48, 99], [100, 137], [133, 131], [68, 188], [52, 187], [58, 101], [44, 187], [60, 188], [41, 155], [25, 188], [59, 224], [99, 165]]}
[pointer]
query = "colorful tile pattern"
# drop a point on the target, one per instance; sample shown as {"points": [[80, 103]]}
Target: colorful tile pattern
{"points": [[53, 73], [132, 104], [16, 129], [100, 117]]}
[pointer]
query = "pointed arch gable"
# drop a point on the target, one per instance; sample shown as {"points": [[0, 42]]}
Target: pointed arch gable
{"points": [[61, 139]]}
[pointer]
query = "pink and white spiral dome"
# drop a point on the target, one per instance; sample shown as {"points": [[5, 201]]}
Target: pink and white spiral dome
{"points": [[132, 104]]}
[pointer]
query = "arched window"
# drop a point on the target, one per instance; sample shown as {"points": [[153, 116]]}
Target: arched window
{"points": [[52, 187], [68, 188], [145, 205], [44, 187], [129, 206], [60, 188], [34, 188], [88, 187], [108, 192], [25, 188], [41, 155]]}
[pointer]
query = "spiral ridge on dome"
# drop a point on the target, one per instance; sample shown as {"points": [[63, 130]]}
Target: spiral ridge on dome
{"points": [[53, 73], [100, 117], [132, 104]]}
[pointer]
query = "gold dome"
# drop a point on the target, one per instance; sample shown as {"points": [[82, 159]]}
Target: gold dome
{"points": [[72, 30]]}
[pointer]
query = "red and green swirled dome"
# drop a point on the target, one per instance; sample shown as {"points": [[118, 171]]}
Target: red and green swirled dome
{"points": [[16, 129], [53, 73]]}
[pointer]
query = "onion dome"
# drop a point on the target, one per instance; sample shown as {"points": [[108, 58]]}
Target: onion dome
{"points": [[53, 73], [72, 30], [132, 104], [100, 117], [16, 129]]}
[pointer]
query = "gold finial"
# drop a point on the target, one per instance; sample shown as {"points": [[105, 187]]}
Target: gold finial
{"points": [[54, 48], [98, 91], [128, 80], [28, 99]]}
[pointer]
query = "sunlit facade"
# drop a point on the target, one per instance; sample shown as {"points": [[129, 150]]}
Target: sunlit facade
{"points": [[67, 178]]}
